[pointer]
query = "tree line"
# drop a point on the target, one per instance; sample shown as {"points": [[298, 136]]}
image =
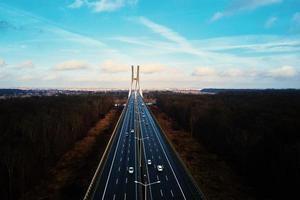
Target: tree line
{"points": [[36, 131], [256, 132]]}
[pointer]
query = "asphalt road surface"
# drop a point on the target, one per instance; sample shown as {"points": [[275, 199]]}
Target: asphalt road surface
{"points": [[140, 145]]}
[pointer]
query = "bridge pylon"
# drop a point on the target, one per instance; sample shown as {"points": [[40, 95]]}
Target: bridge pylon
{"points": [[135, 81]]}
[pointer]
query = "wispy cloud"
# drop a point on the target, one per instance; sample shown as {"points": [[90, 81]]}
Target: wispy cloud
{"points": [[2, 63], [165, 32], [296, 17], [182, 43], [103, 5], [270, 22], [279, 72], [27, 64], [295, 23], [242, 5], [72, 65], [40, 24], [76, 4]]}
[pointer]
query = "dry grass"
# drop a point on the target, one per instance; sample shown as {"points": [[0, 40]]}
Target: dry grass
{"points": [[215, 178]]}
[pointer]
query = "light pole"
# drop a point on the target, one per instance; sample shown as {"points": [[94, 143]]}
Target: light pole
{"points": [[140, 149], [146, 185]]}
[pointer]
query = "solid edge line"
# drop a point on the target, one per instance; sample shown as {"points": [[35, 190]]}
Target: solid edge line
{"points": [[103, 158], [178, 156]]}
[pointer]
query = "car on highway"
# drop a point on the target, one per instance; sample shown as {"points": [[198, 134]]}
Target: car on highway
{"points": [[160, 168], [126, 134], [132, 131], [149, 162], [130, 170]]}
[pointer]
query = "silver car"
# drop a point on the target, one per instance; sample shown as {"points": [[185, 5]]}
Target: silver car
{"points": [[130, 170], [160, 168]]}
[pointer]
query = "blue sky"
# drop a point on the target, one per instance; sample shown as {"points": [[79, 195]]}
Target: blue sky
{"points": [[177, 43]]}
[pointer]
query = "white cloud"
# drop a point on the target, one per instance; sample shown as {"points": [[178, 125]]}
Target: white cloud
{"points": [[242, 5], [233, 73], [103, 5], [76, 4], [72, 65], [25, 64], [2, 63], [283, 72], [152, 68], [270, 22], [204, 72], [107, 5], [111, 66]]}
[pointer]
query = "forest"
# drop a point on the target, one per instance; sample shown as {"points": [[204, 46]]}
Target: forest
{"points": [[257, 133], [36, 131]]}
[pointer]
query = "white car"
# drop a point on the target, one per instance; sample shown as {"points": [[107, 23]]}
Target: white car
{"points": [[160, 168], [130, 170], [132, 131], [149, 162]]}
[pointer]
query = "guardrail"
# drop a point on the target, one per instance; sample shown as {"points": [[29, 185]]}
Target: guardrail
{"points": [[91, 189], [178, 156]]}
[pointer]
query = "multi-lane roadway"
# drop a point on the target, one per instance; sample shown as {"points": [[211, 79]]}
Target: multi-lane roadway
{"points": [[141, 164]]}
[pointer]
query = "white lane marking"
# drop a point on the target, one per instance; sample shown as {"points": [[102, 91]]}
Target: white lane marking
{"points": [[156, 134], [161, 193], [121, 159], [146, 159], [128, 151], [157, 177], [126, 180], [117, 181], [112, 164], [119, 168], [128, 158], [114, 197], [172, 193], [167, 178], [124, 196], [159, 157]]}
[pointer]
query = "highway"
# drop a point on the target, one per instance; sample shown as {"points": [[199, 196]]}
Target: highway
{"points": [[138, 143]]}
